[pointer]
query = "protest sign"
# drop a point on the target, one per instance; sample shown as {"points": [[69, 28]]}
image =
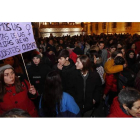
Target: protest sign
{"points": [[15, 38]]}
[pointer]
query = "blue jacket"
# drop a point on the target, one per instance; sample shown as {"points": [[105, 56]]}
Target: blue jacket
{"points": [[68, 108]]}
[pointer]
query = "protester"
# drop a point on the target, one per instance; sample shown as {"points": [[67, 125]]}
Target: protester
{"points": [[37, 74], [15, 93], [127, 104], [103, 52], [66, 68], [86, 86], [54, 102]]}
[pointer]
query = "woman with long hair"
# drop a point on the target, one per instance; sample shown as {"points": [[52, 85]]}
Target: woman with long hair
{"points": [[86, 86], [54, 102], [15, 93]]}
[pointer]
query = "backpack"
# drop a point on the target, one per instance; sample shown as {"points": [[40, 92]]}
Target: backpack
{"points": [[125, 78]]}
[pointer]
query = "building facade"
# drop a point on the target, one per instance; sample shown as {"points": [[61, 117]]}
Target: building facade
{"points": [[112, 27], [58, 29]]}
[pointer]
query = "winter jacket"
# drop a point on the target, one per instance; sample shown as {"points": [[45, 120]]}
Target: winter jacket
{"points": [[110, 83], [116, 110], [131, 62], [68, 107], [92, 90], [18, 100], [37, 75], [110, 68], [66, 75]]}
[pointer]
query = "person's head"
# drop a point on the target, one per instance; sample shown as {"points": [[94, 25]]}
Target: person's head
{"points": [[15, 113], [94, 47], [113, 48], [52, 93], [119, 60], [51, 42], [122, 50], [116, 53], [7, 77], [133, 46], [61, 41], [130, 54], [119, 45], [63, 57], [36, 58], [42, 42], [129, 99], [101, 45], [78, 51], [110, 41], [9, 60], [76, 44], [93, 56], [7, 74], [83, 63]]}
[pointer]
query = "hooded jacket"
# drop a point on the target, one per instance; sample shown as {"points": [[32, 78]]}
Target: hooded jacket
{"points": [[116, 110]]}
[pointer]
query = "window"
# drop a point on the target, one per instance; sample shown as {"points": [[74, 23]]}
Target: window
{"points": [[64, 23], [114, 25], [55, 23], [104, 25], [71, 23], [96, 26], [128, 24], [91, 27]]}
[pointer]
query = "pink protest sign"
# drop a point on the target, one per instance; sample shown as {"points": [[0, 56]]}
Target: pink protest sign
{"points": [[15, 38]]}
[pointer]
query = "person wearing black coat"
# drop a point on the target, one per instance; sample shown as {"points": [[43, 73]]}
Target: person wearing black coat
{"points": [[66, 68], [86, 88], [37, 74]]}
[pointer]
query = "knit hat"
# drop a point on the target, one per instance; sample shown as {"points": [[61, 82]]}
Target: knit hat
{"points": [[35, 54], [3, 68], [78, 51]]}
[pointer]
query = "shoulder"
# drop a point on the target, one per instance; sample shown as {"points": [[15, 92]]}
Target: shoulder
{"points": [[66, 95]]}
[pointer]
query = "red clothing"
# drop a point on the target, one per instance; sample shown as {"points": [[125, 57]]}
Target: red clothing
{"points": [[110, 83], [18, 100], [73, 56], [138, 46], [116, 111]]}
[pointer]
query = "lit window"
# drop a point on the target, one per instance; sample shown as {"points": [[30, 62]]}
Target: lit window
{"points": [[128, 24], [96, 26], [114, 25], [104, 25]]}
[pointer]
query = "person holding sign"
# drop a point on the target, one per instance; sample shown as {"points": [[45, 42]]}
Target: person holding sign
{"points": [[37, 74], [15, 93]]}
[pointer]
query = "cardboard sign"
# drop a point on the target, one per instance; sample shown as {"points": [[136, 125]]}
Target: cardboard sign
{"points": [[15, 38]]}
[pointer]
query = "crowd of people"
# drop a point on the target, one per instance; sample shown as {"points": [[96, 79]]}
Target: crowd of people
{"points": [[79, 76]]}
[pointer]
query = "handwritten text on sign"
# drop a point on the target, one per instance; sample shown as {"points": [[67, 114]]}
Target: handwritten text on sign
{"points": [[15, 38]]}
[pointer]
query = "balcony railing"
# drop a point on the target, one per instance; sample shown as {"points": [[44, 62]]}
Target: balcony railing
{"points": [[61, 26]]}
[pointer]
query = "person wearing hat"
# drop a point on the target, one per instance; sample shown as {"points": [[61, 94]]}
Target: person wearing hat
{"points": [[75, 53], [15, 93], [37, 73]]}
